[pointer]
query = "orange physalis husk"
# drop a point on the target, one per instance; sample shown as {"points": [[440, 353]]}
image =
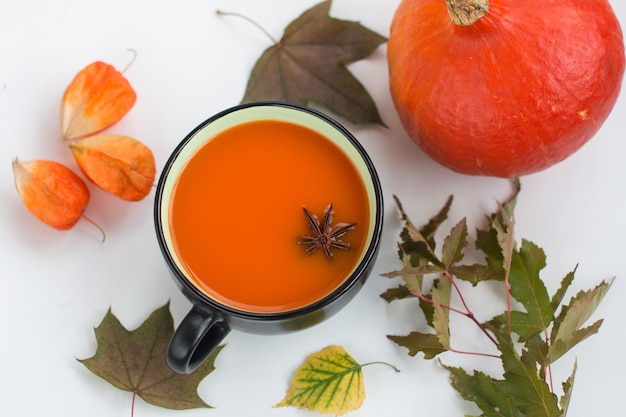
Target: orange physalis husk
{"points": [[98, 97], [121, 165], [52, 192]]}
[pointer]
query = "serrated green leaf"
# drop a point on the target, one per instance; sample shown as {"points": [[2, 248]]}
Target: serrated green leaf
{"points": [[440, 295], [561, 346], [421, 242], [415, 270], [487, 242], [484, 391], [308, 65], [558, 296], [524, 388], [454, 244], [531, 394], [475, 273], [428, 309], [135, 361], [527, 287], [567, 331], [578, 311], [507, 245], [329, 381], [497, 243], [416, 342], [398, 293], [419, 249], [430, 228], [524, 327], [412, 276], [568, 387], [509, 203], [536, 350]]}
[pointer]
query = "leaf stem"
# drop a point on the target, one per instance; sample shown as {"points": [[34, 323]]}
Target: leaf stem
{"points": [[261, 28], [458, 291], [482, 328], [104, 236], [468, 313], [447, 307], [463, 352], [132, 405], [381, 363], [131, 50]]}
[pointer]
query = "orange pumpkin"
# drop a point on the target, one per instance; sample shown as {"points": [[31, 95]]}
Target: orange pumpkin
{"points": [[504, 87]]}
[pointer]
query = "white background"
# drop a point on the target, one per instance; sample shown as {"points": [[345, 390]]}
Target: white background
{"points": [[57, 286]]}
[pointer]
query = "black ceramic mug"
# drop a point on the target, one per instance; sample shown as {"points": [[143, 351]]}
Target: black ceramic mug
{"points": [[285, 187]]}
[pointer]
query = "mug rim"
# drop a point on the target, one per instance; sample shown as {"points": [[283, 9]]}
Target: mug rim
{"points": [[369, 253]]}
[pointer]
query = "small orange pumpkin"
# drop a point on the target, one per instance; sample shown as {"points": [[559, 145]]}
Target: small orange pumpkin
{"points": [[504, 87]]}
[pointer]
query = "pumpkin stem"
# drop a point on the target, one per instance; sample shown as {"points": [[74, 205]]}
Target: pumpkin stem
{"points": [[467, 12]]}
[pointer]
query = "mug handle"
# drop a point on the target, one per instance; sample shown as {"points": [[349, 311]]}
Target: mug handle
{"points": [[200, 332]]}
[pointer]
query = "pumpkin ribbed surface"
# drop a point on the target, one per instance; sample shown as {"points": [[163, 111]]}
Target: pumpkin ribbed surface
{"points": [[513, 93]]}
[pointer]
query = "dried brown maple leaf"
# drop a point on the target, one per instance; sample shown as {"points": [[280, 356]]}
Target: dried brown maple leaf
{"points": [[308, 65], [135, 361]]}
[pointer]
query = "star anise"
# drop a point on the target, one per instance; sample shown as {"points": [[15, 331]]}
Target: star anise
{"points": [[325, 236]]}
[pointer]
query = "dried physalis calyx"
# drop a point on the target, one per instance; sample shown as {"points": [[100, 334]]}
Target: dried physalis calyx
{"points": [[52, 192], [98, 97], [120, 165]]}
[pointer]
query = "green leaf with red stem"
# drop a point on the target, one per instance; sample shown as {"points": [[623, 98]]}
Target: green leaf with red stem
{"points": [[475, 273], [536, 349], [528, 288], [441, 316], [568, 331], [557, 297], [420, 244], [484, 391], [430, 228], [530, 394], [398, 293], [417, 342], [454, 244], [568, 387], [487, 242], [526, 389]]}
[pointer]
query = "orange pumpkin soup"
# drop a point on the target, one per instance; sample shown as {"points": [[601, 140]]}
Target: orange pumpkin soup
{"points": [[236, 216]]}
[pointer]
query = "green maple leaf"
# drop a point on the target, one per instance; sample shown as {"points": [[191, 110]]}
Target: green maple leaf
{"points": [[453, 245], [522, 393], [476, 273], [415, 342], [558, 296], [135, 361], [440, 295], [420, 243], [398, 293], [542, 335], [568, 385], [308, 65], [485, 391], [329, 381], [568, 330], [497, 243], [528, 288], [530, 393]]}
